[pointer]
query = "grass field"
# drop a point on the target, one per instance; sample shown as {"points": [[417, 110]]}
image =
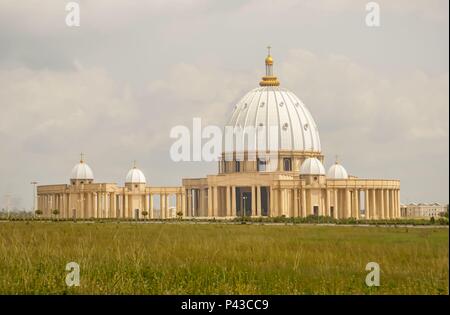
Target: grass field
{"points": [[127, 258]]}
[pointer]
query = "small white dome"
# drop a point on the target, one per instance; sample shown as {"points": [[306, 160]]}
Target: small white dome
{"points": [[135, 176], [337, 171], [82, 171], [312, 166]]}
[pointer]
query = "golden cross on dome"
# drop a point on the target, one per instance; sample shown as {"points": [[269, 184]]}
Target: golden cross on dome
{"points": [[134, 164], [337, 159], [81, 157]]}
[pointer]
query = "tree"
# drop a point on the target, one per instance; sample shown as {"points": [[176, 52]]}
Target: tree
{"points": [[55, 212], [38, 212], [145, 213], [180, 214]]}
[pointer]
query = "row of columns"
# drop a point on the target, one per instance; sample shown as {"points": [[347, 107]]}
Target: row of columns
{"points": [[108, 204], [337, 203], [296, 202], [220, 201]]}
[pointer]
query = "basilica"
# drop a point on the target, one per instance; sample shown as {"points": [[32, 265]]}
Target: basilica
{"points": [[294, 183]]}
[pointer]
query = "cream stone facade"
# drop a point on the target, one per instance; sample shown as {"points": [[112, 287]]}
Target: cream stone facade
{"points": [[290, 182], [423, 210]]}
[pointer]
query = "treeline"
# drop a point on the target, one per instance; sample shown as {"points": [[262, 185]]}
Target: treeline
{"points": [[27, 216]]}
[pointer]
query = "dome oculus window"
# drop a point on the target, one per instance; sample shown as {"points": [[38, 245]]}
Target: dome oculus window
{"points": [[261, 165], [237, 166]]}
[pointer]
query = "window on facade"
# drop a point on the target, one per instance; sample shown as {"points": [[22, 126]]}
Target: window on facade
{"points": [[287, 164], [261, 165], [238, 166]]}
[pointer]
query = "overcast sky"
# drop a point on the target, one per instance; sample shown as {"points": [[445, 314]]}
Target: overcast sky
{"points": [[115, 86]]}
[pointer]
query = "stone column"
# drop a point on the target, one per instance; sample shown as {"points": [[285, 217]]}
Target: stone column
{"points": [[151, 210], [327, 202], [162, 206], [254, 200], [386, 204], [108, 204], [125, 206], [348, 212], [258, 200], [233, 201], [366, 204], [69, 206], [147, 202], [381, 208], [188, 203], [95, 205], [276, 203], [391, 204], [177, 203], [167, 205], [215, 201], [356, 203], [61, 207], [271, 203], [304, 203], [336, 204], [296, 212], [228, 201], [113, 212], [373, 204], [183, 203], [210, 202], [103, 205], [398, 203], [396, 216], [82, 206], [88, 206]]}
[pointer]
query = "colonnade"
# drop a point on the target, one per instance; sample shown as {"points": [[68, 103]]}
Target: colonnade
{"points": [[220, 201], [378, 203], [111, 204]]}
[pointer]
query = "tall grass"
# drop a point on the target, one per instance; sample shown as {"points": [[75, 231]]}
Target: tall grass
{"points": [[127, 258]]}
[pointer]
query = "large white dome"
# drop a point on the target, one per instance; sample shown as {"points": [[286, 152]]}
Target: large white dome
{"points": [[279, 108], [312, 166], [82, 171], [135, 176], [337, 171]]}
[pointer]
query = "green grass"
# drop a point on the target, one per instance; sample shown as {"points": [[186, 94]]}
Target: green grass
{"points": [[129, 258]]}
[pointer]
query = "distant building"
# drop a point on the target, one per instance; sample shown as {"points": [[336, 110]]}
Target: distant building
{"points": [[421, 210]]}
